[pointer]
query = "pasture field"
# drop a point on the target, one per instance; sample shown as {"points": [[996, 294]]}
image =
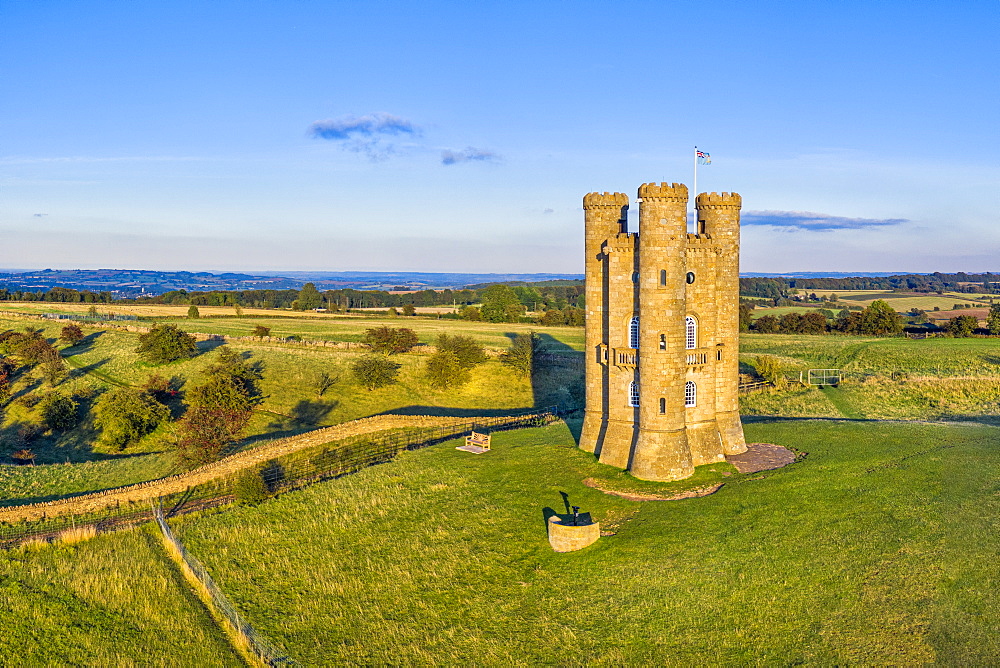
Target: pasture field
{"points": [[878, 548], [903, 301], [114, 600]]}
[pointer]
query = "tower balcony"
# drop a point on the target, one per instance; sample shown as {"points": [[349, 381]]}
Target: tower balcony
{"points": [[624, 358], [699, 356]]}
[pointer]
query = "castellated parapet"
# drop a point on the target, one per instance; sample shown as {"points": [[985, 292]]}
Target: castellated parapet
{"points": [[662, 336]]}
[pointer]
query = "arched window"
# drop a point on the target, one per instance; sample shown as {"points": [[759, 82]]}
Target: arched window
{"points": [[633, 394], [633, 332], [690, 333], [690, 394]]}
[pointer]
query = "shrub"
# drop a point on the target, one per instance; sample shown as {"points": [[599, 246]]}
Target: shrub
{"points": [[260, 331], [249, 487], [124, 415], [71, 335], [444, 370], [409, 309], [769, 368], [962, 326], [521, 354], [467, 351], [390, 340], [166, 343], [193, 311], [58, 412], [374, 371]]}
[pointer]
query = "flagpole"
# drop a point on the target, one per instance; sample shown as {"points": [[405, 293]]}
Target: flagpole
{"points": [[695, 184]]}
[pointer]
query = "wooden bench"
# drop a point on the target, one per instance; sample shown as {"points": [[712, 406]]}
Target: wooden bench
{"points": [[476, 443]]}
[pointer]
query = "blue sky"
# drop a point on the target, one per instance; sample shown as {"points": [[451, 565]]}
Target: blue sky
{"points": [[433, 136]]}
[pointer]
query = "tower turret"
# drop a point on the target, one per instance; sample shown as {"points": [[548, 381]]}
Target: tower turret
{"points": [[661, 450], [719, 217], [604, 216]]}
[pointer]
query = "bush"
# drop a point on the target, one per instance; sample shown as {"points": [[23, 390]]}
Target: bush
{"points": [[249, 487], [71, 335], [521, 354], [444, 369], [124, 415], [770, 369], [260, 331], [58, 412], [374, 371], [193, 311], [390, 340], [467, 351], [166, 343], [409, 309]]}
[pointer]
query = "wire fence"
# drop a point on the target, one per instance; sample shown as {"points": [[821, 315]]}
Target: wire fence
{"points": [[266, 651], [280, 474]]}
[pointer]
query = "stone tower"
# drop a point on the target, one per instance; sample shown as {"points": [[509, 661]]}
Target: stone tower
{"points": [[662, 337]]}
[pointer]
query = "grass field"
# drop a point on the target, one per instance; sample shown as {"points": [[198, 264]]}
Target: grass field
{"points": [[877, 549], [114, 600], [903, 301]]}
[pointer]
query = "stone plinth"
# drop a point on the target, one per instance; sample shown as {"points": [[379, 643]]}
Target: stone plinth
{"points": [[565, 537]]}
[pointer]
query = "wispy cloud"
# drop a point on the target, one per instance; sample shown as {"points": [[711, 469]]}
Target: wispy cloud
{"points": [[449, 157], [365, 134], [805, 220]]}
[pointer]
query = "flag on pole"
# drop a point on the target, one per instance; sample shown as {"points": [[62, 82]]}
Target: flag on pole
{"points": [[703, 158]]}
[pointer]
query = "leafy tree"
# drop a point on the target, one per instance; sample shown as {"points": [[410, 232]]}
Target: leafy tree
{"points": [[374, 371], [309, 298], [409, 309], [993, 319], [812, 323], [390, 340], [260, 331], [880, 319], [770, 369], [219, 408], [58, 412], [7, 369], [766, 324], [125, 414], [501, 304], [193, 311], [166, 343], [239, 310], [790, 323], [71, 335], [521, 354], [53, 370], [471, 313], [746, 317], [444, 370], [467, 351], [962, 326]]}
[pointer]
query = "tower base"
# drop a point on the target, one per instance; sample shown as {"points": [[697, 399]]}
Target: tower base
{"points": [[616, 448], [731, 430], [590, 434], [661, 456]]}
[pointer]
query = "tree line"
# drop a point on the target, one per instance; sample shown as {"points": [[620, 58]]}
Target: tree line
{"points": [[772, 287]]}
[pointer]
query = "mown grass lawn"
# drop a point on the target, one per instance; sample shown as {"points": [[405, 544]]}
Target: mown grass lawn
{"points": [[878, 548]]}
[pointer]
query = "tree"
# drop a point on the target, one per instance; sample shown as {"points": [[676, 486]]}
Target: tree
{"points": [[521, 354], [813, 323], [766, 324], [58, 411], [444, 370], [309, 298], [962, 326], [193, 311], [324, 382], [53, 370], [880, 319], [471, 313], [390, 340], [260, 331], [374, 371], [746, 317], [500, 304], [409, 309], [790, 323], [219, 408], [467, 351], [770, 369], [71, 335], [125, 414], [166, 343], [993, 319]]}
